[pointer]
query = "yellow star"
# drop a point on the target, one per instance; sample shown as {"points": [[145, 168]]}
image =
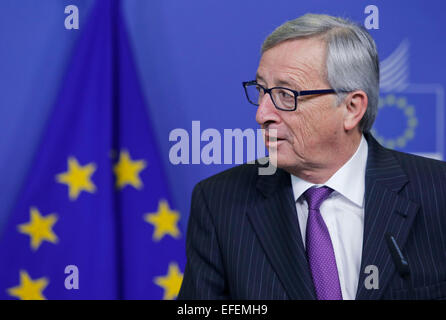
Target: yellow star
{"points": [[127, 171], [164, 221], [78, 178], [29, 289], [39, 228], [171, 283]]}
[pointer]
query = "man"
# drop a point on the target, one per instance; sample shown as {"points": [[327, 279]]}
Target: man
{"points": [[342, 217]]}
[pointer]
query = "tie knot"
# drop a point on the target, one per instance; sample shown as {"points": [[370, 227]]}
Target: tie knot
{"points": [[315, 196]]}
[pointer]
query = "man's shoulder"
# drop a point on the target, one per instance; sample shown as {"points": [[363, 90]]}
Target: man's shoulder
{"points": [[235, 188], [411, 161], [244, 174], [422, 170]]}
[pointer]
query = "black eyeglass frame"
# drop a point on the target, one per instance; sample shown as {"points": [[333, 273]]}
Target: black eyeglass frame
{"points": [[296, 93]]}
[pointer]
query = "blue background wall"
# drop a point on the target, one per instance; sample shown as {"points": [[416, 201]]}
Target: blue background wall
{"points": [[192, 57]]}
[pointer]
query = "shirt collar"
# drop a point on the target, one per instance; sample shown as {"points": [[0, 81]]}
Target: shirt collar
{"points": [[345, 181]]}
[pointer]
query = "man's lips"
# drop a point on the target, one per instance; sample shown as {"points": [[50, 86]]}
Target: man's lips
{"points": [[273, 139]]}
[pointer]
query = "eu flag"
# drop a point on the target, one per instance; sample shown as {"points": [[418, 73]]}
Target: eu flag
{"points": [[95, 220]]}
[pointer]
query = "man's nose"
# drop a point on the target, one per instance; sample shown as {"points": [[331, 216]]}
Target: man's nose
{"points": [[266, 111]]}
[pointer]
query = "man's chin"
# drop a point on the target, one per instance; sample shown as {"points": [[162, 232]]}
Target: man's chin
{"points": [[283, 163], [280, 160]]}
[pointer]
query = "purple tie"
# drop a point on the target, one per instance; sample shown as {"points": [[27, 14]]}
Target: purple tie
{"points": [[320, 252]]}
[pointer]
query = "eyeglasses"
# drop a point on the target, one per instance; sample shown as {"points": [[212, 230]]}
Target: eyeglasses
{"points": [[283, 98]]}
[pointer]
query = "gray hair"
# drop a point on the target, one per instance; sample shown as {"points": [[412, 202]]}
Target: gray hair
{"points": [[352, 59]]}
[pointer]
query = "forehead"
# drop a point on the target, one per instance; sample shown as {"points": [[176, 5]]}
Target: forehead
{"points": [[299, 60]]}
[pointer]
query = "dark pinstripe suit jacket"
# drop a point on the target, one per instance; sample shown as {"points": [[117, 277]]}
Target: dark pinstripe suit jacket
{"points": [[244, 242]]}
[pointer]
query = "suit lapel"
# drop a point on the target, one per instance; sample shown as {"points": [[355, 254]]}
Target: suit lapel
{"points": [[385, 212], [275, 222]]}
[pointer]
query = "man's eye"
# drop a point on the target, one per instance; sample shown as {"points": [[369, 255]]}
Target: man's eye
{"points": [[284, 94]]}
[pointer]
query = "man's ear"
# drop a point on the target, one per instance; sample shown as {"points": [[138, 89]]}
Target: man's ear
{"points": [[355, 107]]}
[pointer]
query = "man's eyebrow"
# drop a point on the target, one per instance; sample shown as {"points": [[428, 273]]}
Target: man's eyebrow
{"points": [[280, 83], [287, 84]]}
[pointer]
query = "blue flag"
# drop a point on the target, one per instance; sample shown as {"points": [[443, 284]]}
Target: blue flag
{"points": [[95, 219]]}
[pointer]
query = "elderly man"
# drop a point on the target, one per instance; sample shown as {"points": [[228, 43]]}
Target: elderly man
{"points": [[342, 217]]}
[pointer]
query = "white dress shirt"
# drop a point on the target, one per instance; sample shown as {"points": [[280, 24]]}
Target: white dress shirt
{"points": [[343, 213]]}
